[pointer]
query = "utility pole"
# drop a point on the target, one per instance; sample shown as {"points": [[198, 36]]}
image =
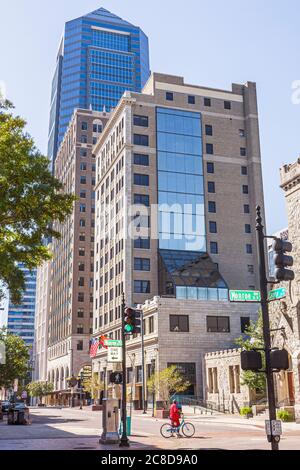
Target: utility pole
{"points": [[143, 365], [124, 439], [266, 321]]}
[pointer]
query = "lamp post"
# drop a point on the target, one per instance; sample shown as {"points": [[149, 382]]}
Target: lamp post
{"points": [[124, 439]]}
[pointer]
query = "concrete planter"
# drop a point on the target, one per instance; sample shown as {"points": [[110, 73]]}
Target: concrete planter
{"points": [[162, 414]]}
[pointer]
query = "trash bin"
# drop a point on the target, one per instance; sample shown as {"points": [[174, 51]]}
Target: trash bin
{"points": [[128, 426]]}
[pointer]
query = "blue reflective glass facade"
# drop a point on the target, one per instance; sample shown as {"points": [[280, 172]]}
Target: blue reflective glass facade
{"points": [[180, 180], [21, 317], [102, 57]]}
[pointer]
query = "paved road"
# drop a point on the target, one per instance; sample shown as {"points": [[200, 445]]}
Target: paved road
{"points": [[74, 429]]}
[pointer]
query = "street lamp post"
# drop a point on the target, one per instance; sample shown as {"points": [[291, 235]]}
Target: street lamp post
{"points": [[124, 439], [143, 365]]}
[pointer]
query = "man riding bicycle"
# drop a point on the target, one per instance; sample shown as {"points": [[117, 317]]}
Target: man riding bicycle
{"points": [[175, 414]]}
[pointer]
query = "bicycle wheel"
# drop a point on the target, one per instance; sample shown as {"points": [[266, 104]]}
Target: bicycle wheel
{"points": [[166, 431], [188, 429]]}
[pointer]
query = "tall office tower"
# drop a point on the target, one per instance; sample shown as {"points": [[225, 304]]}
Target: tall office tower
{"points": [[100, 56], [187, 158], [21, 317], [71, 276]]}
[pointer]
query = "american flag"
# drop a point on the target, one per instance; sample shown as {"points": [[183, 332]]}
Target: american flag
{"points": [[94, 345]]}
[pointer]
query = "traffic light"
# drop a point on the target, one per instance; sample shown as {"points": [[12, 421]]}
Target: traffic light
{"points": [[116, 378], [132, 321], [251, 360], [282, 261], [280, 359]]}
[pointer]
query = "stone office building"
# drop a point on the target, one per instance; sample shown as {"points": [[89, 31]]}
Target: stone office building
{"points": [[71, 277], [177, 181], [286, 312]]}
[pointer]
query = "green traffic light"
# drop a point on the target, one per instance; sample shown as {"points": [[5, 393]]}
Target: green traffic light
{"points": [[129, 328]]}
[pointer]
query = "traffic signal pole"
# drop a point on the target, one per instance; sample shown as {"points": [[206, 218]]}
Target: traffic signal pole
{"points": [[124, 442], [266, 321]]}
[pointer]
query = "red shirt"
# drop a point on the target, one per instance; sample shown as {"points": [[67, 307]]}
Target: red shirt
{"points": [[174, 412]]}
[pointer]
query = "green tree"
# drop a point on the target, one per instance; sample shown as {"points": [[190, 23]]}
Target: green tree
{"points": [[253, 338], [93, 385], [31, 199], [167, 382], [16, 364], [39, 389]]}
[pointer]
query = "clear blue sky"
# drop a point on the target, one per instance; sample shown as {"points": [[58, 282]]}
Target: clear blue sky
{"points": [[212, 43]]}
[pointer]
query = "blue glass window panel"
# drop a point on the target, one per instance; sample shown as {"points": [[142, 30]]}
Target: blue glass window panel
{"points": [[184, 224], [223, 294], [179, 125], [180, 199], [180, 183], [202, 293], [212, 294], [197, 243], [181, 292], [179, 143], [107, 40], [180, 163]]}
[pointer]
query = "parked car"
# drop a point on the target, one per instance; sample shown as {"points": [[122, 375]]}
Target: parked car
{"points": [[5, 405]]}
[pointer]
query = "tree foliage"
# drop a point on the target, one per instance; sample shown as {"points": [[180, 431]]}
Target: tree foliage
{"points": [[16, 364], [167, 382], [31, 198], [39, 389], [93, 385], [252, 339]]}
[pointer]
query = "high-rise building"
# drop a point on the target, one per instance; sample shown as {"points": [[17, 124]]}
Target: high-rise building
{"points": [[71, 273], [100, 56], [183, 163], [21, 317]]}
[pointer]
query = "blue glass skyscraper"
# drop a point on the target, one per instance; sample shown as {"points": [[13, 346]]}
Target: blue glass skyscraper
{"points": [[99, 58]]}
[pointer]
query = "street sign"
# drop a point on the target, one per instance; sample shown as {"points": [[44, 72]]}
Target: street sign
{"points": [[275, 426], [277, 294], [113, 342], [244, 296], [114, 354]]}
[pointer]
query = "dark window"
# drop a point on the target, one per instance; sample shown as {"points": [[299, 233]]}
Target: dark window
{"points": [[212, 208], [242, 132], [81, 267], [244, 170], [142, 243], [227, 104], [141, 180], [81, 282], [140, 121], [141, 264], [245, 323], [218, 324], [80, 313], [139, 374], [179, 323], [80, 330], [212, 227], [191, 99], [214, 248], [84, 126], [209, 149], [245, 189], [207, 102], [83, 139], [82, 223], [142, 287], [243, 152], [83, 194], [82, 179], [142, 199], [80, 297], [169, 96], [249, 249], [208, 129], [250, 268], [210, 167], [139, 139], [83, 152], [211, 188], [79, 345], [247, 228], [246, 209], [140, 159]]}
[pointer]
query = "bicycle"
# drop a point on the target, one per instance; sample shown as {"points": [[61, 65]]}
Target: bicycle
{"points": [[187, 429]]}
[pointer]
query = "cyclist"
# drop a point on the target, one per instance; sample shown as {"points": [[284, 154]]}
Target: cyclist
{"points": [[175, 417]]}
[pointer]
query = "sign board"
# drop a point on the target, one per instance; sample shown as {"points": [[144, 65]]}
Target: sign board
{"points": [[274, 426], [244, 296], [113, 342], [114, 354], [277, 294]]}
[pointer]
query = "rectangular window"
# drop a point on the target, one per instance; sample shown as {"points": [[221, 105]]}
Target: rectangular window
{"points": [[151, 324], [218, 324], [227, 104], [211, 188], [212, 208], [83, 152], [80, 313], [244, 170], [212, 227], [83, 139], [210, 167], [245, 189], [169, 96], [242, 132], [140, 121], [141, 180], [83, 166], [82, 208], [139, 139], [214, 248], [79, 345], [247, 228], [246, 209], [179, 323], [80, 297], [82, 223], [249, 249], [142, 243], [142, 287], [84, 126], [141, 264], [142, 199], [250, 268], [208, 129], [209, 149], [191, 99], [207, 102], [245, 323], [82, 179], [243, 152], [140, 159]]}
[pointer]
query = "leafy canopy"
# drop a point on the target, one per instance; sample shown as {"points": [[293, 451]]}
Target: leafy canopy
{"points": [[16, 364], [31, 198], [39, 389], [167, 382]]}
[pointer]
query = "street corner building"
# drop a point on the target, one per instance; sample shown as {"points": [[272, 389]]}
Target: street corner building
{"points": [[174, 153], [285, 313]]}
